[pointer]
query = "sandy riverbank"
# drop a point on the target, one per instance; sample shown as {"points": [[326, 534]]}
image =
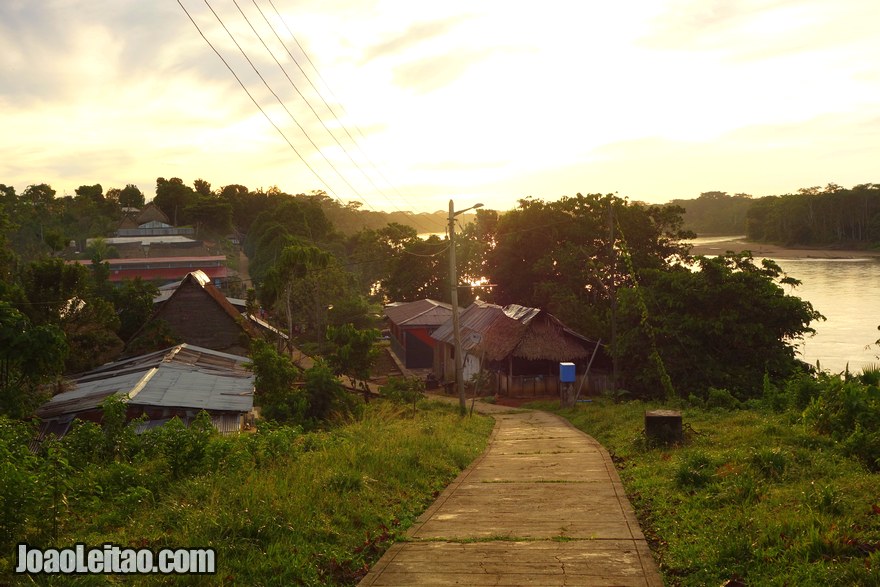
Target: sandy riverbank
{"points": [[735, 244]]}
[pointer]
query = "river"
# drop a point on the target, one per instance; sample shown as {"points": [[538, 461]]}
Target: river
{"points": [[845, 292]]}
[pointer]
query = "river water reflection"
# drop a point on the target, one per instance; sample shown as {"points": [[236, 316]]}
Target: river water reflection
{"points": [[846, 292]]}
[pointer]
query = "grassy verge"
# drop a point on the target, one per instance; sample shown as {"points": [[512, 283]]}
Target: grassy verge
{"points": [[300, 509], [750, 495]]}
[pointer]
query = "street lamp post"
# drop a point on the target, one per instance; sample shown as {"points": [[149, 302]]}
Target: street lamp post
{"points": [[456, 331]]}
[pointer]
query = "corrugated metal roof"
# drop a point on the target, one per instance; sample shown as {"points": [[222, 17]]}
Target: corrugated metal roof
{"points": [[425, 312], [519, 313], [498, 332], [474, 321], [145, 239], [184, 376]]}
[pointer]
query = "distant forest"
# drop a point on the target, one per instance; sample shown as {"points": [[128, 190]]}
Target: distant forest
{"points": [[43, 223], [832, 215]]}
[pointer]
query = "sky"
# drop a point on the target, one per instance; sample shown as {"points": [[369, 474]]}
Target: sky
{"points": [[403, 105]]}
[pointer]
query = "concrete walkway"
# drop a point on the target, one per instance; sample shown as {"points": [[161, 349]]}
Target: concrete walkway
{"points": [[542, 506]]}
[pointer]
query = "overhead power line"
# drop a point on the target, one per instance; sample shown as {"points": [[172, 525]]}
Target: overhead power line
{"points": [[302, 50], [257, 104], [281, 102], [306, 99]]}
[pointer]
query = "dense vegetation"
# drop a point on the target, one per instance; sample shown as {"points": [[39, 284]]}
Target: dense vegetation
{"points": [[815, 216], [609, 268], [716, 213], [279, 505], [769, 494], [832, 215]]}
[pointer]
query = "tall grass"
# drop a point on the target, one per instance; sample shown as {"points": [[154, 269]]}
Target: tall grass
{"points": [[750, 495], [310, 509]]}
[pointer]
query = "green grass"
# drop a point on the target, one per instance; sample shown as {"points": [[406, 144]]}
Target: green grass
{"points": [[750, 494], [318, 511]]}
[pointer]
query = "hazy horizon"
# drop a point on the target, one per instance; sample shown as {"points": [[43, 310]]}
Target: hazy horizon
{"points": [[652, 100]]}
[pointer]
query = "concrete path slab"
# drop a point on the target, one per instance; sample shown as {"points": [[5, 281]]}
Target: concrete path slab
{"points": [[543, 505]]}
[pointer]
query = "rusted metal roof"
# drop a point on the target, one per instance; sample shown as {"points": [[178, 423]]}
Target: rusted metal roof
{"points": [[516, 330], [474, 321], [184, 376], [425, 312]]}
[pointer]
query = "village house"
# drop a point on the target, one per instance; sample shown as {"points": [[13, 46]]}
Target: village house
{"points": [[411, 325], [520, 347], [146, 246], [176, 382], [197, 312]]}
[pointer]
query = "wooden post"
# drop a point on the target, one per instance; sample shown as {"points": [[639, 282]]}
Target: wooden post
{"points": [[664, 425]]}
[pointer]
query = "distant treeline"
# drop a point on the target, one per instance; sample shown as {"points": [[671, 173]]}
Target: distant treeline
{"points": [[38, 222], [715, 213], [813, 216]]}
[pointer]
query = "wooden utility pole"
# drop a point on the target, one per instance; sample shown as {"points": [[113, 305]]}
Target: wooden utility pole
{"points": [[456, 331], [612, 252]]}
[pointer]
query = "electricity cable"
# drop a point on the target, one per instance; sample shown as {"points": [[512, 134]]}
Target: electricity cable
{"points": [[330, 91], [257, 104], [281, 102], [308, 103]]}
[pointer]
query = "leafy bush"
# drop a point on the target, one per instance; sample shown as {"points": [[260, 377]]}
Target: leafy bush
{"points": [[848, 411], [407, 390], [22, 482], [721, 398]]}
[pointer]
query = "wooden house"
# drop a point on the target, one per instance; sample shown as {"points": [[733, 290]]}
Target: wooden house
{"points": [[198, 313], [520, 347], [175, 382], [411, 325]]}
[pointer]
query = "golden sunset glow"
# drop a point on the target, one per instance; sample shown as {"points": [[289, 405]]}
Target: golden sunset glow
{"points": [[488, 101]]}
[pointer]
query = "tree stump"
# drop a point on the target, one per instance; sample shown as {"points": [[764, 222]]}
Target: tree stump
{"points": [[664, 426]]}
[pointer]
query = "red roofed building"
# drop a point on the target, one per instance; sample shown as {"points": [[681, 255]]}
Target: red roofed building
{"points": [[164, 268], [411, 325]]}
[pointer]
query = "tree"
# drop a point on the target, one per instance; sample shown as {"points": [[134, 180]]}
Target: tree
{"points": [[172, 197], [284, 394], [92, 193], [293, 265], [354, 354], [131, 197], [561, 256], [724, 325], [29, 357], [418, 269], [64, 296], [203, 188], [274, 378], [133, 302], [210, 216]]}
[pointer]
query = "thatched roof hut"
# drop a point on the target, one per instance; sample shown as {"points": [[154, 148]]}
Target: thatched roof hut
{"points": [[514, 341]]}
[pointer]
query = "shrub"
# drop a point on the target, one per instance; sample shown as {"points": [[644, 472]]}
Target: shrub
{"points": [[721, 398], [404, 390], [849, 412]]}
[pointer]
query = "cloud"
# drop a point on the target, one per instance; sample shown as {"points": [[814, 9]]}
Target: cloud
{"points": [[746, 30], [414, 35], [437, 71]]}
